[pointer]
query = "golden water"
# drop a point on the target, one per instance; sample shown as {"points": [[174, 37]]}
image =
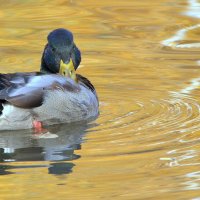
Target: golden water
{"points": [[144, 59]]}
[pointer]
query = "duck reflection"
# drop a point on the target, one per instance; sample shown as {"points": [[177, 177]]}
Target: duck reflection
{"points": [[58, 145]]}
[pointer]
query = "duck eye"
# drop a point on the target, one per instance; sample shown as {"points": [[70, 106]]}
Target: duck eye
{"points": [[53, 49]]}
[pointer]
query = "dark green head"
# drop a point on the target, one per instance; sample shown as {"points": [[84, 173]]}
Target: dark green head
{"points": [[60, 47]]}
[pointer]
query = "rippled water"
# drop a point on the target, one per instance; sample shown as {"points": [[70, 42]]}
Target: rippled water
{"points": [[144, 59]]}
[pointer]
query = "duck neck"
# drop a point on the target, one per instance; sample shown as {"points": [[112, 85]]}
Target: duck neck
{"points": [[44, 68]]}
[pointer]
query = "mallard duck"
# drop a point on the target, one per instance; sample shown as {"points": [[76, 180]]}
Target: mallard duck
{"points": [[54, 95]]}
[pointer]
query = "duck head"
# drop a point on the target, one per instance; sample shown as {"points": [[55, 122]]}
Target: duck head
{"points": [[60, 54]]}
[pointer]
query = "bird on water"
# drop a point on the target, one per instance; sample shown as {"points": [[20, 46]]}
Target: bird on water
{"points": [[54, 95]]}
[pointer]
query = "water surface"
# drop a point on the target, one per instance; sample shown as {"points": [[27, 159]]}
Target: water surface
{"points": [[144, 59]]}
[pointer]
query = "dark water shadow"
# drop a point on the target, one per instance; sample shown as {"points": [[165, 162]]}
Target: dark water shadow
{"points": [[58, 147]]}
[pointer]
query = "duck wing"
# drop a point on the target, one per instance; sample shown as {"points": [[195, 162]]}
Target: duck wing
{"points": [[27, 90], [85, 82]]}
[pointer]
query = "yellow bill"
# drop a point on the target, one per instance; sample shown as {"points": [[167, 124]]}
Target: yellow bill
{"points": [[68, 70]]}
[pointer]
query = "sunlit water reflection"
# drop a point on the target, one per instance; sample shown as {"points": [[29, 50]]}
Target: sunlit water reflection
{"points": [[143, 59], [26, 146]]}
